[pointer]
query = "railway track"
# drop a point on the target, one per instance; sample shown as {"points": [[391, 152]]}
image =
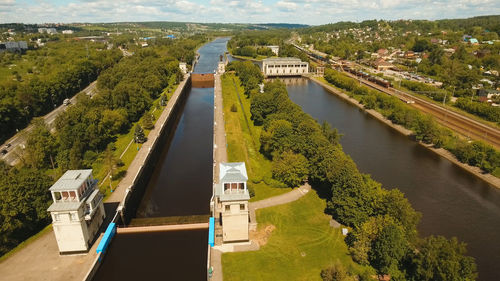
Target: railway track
{"points": [[461, 124]]}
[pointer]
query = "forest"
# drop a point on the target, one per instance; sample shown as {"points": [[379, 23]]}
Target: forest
{"points": [[384, 223], [84, 135], [41, 79]]}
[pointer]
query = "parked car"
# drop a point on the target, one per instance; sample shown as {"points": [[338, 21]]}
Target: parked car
{"points": [[4, 151]]}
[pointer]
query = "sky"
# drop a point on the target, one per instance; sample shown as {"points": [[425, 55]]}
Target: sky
{"points": [[312, 12]]}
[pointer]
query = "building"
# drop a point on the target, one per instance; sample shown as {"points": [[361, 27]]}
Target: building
{"points": [[231, 201], [69, 31], [12, 46], [409, 54], [382, 53], [381, 64], [77, 211], [275, 50], [183, 67], [49, 30], [284, 67]]}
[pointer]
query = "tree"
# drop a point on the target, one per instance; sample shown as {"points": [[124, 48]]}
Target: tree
{"points": [[163, 100], [290, 168], [440, 259], [336, 272], [388, 249], [332, 135], [139, 136], [147, 121], [110, 160], [41, 146], [23, 208]]}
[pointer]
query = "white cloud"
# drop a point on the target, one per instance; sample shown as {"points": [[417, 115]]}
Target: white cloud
{"points": [[293, 11], [286, 5]]}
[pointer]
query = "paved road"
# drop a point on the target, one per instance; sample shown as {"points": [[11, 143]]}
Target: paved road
{"points": [[18, 141], [220, 155]]}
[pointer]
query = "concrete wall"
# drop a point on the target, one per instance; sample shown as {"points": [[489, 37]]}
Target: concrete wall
{"points": [[137, 191], [234, 221], [71, 236], [283, 70]]}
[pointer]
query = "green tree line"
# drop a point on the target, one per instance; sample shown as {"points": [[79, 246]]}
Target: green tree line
{"points": [[384, 224], [55, 73], [424, 127], [84, 136]]}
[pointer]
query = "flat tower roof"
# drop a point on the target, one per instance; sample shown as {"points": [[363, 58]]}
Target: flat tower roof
{"points": [[72, 179], [281, 60]]}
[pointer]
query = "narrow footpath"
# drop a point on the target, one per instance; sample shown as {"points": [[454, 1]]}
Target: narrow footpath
{"points": [[220, 155]]}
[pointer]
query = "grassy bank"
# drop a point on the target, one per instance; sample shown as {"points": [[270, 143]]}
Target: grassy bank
{"points": [[126, 150], [302, 244], [243, 140], [424, 127]]}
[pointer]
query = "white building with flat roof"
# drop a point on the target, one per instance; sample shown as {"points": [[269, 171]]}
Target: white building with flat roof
{"points": [[284, 67], [77, 211], [275, 49], [231, 200]]}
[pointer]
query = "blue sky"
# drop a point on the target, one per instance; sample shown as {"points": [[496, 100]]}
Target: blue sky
{"points": [[245, 11]]}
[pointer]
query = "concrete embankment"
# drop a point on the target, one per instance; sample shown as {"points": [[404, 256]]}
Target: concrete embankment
{"points": [[131, 188], [163, 228], [129, 191], [492, 180]]}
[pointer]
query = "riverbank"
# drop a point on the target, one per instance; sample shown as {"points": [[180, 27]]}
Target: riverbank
{"points": [[492, 180], [258, 59]]}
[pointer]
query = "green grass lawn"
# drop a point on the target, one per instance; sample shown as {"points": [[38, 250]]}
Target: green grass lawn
{"points": [[243, 140], [129, 152], [258, 58], [302, 244]]}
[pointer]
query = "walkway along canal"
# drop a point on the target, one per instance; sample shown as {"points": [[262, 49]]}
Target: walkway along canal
{"points": [[453, 202], [180, 185]]}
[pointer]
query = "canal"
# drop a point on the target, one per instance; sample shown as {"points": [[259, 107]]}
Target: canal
{"points": [[180, 184], [452, 201]]}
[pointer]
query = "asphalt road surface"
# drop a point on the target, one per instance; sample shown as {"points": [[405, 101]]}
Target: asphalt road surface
{"points": [[17, 142]]}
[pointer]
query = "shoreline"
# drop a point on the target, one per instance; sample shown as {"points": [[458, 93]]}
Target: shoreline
{"points": [[476, 171]]}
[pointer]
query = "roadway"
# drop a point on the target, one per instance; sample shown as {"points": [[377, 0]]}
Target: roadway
{"points": [[18, 141]]}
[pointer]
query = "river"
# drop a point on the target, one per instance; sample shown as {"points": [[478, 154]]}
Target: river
{"points": [[180, 185], [453, 202]]}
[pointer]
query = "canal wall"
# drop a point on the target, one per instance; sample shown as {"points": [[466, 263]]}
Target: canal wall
{"points": [[131, 188], [157, 139], [476, 171]]}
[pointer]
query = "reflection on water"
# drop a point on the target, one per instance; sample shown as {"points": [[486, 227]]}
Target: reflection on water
{"points": [[181, 184], [453, 202]]}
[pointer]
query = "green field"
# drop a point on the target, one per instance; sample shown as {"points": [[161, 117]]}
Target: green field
{"points": [[302, 244], [243, 141]]}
